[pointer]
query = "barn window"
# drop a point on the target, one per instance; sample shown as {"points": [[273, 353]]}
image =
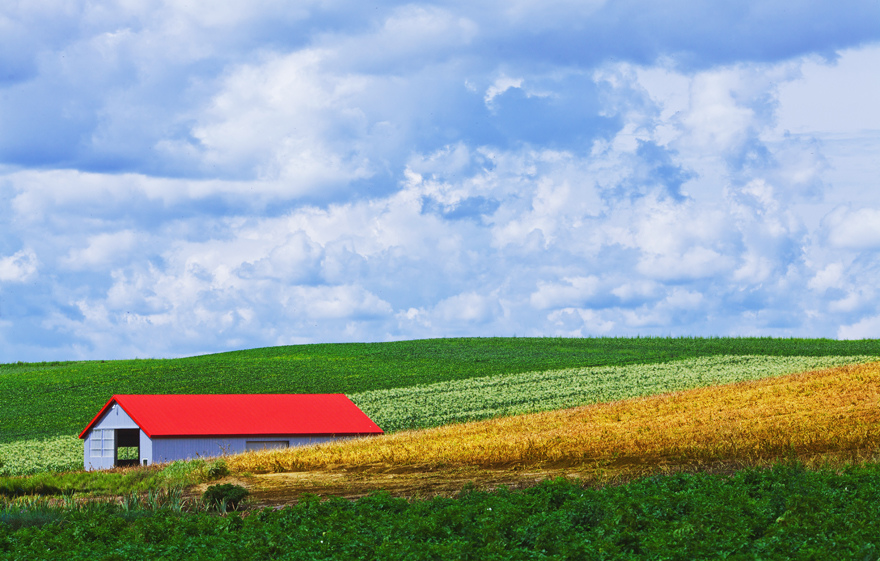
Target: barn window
{"points": [[109, 448], [97, 444], [253, 445]]}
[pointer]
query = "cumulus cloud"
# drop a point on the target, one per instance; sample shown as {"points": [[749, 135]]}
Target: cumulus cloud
{"points": [[19, 267], [177, 179], [854, 228], [867, 328]]}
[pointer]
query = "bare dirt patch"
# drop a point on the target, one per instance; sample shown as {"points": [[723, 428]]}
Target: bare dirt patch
{"points": [[276, 489]]}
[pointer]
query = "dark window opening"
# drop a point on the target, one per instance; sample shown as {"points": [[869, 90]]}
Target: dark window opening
{"points": [[128, 447]]}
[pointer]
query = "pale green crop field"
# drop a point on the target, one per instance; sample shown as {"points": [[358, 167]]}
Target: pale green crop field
{"points": [[460, 401]]}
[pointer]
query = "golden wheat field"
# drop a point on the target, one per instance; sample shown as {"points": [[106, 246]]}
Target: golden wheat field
{"points": [[828, 412]]}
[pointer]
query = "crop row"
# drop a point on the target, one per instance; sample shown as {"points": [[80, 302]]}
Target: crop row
{"points": [[459, 401]]}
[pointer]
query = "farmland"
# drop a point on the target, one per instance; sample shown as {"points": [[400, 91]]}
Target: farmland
{"points": [[55, 399], [499, 448], [457, 401], [808, 415]]}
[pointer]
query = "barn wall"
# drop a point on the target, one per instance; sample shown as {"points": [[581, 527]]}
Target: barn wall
{"points": [[169, 449], [146, 449]]}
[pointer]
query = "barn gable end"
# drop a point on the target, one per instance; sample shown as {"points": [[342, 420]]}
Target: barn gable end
{"points": [[113, 429]]}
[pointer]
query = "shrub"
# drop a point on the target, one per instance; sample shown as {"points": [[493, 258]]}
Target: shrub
{"points": [[225, 497], [216, 469]]}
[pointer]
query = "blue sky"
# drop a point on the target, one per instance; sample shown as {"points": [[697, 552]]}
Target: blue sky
{"points": [[179, 178]]}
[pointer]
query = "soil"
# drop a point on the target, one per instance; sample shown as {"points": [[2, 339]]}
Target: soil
{"points": [[277, 489], [414, 482]]}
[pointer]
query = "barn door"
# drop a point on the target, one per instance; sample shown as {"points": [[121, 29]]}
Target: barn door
{"points": [[128, 447]]}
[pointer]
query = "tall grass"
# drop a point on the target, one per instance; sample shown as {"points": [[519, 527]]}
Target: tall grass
{"points": [[833, 411], [118, 481]]}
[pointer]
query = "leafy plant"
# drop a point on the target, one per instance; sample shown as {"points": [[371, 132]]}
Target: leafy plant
{"points": [[456, 401], [226, 496], [786, 512], [216, 469], [804, 415]]}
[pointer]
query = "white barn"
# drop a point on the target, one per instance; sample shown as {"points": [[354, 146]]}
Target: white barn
{"points": [[164, 428]]}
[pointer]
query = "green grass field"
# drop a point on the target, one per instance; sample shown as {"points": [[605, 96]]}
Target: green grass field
{"points": [[53, 399]]}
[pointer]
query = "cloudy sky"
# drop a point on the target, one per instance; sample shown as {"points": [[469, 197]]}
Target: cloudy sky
{"points": [[179, 178]]}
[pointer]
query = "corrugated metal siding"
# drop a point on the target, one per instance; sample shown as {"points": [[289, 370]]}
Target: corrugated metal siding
{"points": [[170, 449], [146, 448], [116, 418]]}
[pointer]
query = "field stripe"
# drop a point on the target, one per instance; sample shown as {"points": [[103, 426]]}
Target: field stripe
{"points": [[57, 453], [475, 399], [807, 414]]}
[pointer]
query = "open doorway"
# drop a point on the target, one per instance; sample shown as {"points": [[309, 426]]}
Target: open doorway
{"points": [[128, 447]]}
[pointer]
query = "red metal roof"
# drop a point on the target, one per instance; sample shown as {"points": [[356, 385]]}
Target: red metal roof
{"points": [[243, 414]]}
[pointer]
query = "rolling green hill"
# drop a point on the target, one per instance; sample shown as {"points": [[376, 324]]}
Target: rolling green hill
{"points": [[48, 399]]}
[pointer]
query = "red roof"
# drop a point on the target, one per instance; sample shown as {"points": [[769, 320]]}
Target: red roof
{"points": [[243, 414]]}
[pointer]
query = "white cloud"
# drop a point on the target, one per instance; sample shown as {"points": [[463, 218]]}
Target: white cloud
{"points": [[695, 263], [571, 292], [18, 267], [830, 276], [579, 322], [867, 328], [854, 228], [499, 86], [469, 307], [276, 119], [103, 249], [836, 97], [336, 302], [199, 179]]}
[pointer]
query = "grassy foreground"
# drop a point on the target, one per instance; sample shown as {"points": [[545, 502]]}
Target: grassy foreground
{"points": [[782, 513]]}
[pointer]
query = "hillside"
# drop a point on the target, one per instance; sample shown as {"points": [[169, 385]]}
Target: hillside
{"points": [[50, 399]]}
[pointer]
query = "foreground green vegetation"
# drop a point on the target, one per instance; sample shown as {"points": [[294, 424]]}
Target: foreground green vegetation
{"points": [[786, 512], [175, 475], [55, 399]]}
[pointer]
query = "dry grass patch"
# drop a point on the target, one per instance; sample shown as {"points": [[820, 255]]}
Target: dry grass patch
{"points": [[833, 412]]}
